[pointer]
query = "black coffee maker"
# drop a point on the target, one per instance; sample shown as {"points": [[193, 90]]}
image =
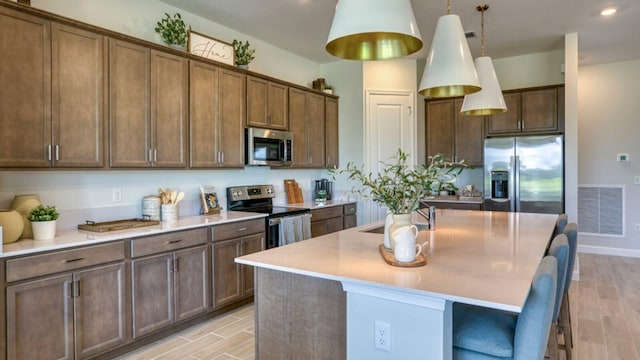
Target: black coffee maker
{"points": [[499, 184], [323, 184]]}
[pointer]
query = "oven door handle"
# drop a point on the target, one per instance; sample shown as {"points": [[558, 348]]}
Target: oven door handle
{"points": [[276, 221]]}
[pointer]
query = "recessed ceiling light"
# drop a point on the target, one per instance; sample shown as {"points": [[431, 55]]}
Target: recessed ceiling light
{"points": [[608, 11]]}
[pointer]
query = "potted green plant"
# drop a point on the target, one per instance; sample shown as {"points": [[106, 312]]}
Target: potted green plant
{"points": [[173, 30], [244, 54], [328, 89], [43, 221], [400, 186]]}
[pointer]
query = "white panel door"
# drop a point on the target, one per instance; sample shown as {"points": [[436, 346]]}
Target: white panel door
{"points": [[390, 125]]}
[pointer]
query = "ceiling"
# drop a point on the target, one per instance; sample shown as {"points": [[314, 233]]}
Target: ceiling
{"points": [[512, 27]]}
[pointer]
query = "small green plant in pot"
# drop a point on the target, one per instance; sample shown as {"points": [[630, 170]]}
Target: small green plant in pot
{"points": [[173, 30], [244, 54], [43, 221]]}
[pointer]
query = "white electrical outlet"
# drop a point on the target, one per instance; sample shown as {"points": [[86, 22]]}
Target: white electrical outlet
{"points": [[636, 180], [117, 195], [636, 227], [382, 336]]}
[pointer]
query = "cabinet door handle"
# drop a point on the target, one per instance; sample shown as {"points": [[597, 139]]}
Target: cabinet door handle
{"points": [[155, 155], [76, 288], [176, 265], [57, 152], [242, 229], [150, 155], [74, 260], [49, 152], [222, 157], [174, 241]]}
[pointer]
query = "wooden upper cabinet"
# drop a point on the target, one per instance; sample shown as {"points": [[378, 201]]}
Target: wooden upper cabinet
{"points": [[148, 97], [469, 136], [169, 94], [540, 110], [507, 122], [267, 104], [232, 119], [217, 113], [129, 75], [25, 93], [307, 123], [297, 118], [204, 114], [315, 124], [439, 127], [331, 136], [78, 80]]}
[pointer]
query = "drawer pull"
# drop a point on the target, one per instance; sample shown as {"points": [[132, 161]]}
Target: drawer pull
{"points": [[74, 260], [242, 229], [174, 241]]}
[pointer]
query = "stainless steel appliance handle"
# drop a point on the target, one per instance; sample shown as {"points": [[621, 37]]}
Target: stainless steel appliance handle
{"points": [[512, 180], [517, 183]]}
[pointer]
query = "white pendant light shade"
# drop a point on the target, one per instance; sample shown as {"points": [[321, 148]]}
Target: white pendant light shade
{"points": [[449, 70], [489, 100], [373, 30]]}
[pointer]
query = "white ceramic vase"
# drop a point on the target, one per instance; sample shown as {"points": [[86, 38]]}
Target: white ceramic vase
{"points": [[399, 220], [43, 230]]}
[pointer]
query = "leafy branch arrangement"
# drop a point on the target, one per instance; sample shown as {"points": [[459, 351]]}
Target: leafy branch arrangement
{"points": [[43, 213], [244, 54], [400, 186], [173, 30]]}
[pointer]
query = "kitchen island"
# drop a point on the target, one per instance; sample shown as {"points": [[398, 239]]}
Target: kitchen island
{"points": [[323, 298]]}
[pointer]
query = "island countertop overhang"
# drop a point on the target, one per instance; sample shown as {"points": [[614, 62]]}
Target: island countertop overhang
{"points": [[476, 257]]}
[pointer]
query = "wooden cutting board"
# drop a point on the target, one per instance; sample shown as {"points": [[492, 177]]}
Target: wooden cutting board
{"points": [[293, 191]]}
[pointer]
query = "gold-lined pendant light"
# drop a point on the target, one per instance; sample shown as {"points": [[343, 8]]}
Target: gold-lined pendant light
{"points": [[373, 30], [489, 100], [449, 70]]}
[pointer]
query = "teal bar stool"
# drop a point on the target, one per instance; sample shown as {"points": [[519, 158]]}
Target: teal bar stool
{"points": [[482, 334], [564, 322], [560, 250], [561, 223]]}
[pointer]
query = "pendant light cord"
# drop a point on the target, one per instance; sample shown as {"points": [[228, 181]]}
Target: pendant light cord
{"points": [[482, 9], [448, 7], [482, 31]]}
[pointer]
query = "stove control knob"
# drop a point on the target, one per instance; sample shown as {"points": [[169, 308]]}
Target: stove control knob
{"points": [[269, 190]]}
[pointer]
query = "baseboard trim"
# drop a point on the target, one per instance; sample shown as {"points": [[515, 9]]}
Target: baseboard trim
{"points": [[603, 250]]}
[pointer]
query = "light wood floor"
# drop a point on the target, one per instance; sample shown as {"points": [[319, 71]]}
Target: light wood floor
{"points": [[605, 310]]}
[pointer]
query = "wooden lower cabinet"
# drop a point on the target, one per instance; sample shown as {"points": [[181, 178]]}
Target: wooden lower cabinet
{"points": [[75, 315], [231, 281], [332, 219], [168, 287]]}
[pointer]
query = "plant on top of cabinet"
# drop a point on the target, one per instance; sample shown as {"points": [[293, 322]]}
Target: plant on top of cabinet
{"points": [[173, 30], [244, 54]]}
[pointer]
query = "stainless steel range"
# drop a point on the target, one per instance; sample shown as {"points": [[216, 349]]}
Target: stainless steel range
{"points": [[259, 198]]}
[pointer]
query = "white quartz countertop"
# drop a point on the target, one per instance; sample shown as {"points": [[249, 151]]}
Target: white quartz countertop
{"points": [[312, 205], [71, 238], [453, 199], [477, 257]]}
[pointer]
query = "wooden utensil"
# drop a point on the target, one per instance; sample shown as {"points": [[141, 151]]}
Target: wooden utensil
{"points": [[173, 196], [179, 197]]}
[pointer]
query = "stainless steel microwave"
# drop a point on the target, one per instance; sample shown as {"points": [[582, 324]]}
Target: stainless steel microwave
{"points": [[268, 147]]}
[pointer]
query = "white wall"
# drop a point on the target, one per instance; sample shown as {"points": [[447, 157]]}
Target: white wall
{"points": [[609, 108], [530, 70], [87, 195]]}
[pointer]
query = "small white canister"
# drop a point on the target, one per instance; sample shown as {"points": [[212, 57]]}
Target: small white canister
{"points": [[170, 212], [151, 207]]}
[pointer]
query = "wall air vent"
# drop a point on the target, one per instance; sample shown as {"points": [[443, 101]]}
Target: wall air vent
{"points": [[471, 34], [601, 210]]}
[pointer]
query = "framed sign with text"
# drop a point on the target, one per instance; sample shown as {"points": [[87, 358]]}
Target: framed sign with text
{"points": [[211, 48]]}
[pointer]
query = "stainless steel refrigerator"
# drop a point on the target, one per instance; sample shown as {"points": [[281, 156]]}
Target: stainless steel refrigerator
{"points": [[524, 174]]}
